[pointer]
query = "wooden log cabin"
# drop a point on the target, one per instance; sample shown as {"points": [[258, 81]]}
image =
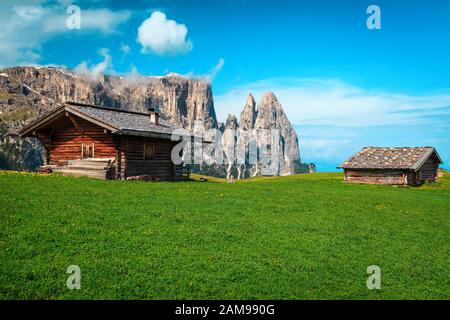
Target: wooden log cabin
{"points": [[86, 140], [400, 166]]}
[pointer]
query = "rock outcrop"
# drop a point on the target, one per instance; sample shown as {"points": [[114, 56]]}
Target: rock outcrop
{"points": [[271, 116], [265, 142], [248, 115]]}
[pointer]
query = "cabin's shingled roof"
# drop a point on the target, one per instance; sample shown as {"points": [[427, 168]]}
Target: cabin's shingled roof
{"points": [[116, 120], [124, 121], [389, 158]]}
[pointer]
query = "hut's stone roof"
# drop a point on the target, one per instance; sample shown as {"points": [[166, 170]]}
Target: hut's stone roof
{"points": [[389, 158]]}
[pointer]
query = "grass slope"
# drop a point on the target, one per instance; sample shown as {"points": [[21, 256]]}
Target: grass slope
{"points": [[297, 237]]}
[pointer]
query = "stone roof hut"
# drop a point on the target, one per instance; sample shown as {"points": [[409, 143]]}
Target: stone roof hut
{"points": [[402, 166]]}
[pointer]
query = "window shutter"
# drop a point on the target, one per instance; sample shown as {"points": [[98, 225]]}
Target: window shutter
{"points": [[149, 151], [87, 151]]}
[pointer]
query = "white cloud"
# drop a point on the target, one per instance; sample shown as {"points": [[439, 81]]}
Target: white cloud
{"points": [[162, 36], [96, 71], [209, 77], [213, 73], [134, 77], [26, 26]]}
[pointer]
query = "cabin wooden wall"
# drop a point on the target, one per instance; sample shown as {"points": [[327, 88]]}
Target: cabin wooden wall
{"points": [[160, 166], [376, 176], [66, 141]]}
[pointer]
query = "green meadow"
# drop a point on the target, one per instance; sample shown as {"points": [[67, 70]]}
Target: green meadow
{"points": [[297, 237]]}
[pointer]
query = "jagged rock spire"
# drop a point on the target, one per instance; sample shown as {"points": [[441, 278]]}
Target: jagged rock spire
{"points": [[248, 115], [269, 98], [269, 109], [231, 122]]}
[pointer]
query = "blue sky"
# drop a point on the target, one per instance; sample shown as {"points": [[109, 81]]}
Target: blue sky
{"points": [[342, 85]]}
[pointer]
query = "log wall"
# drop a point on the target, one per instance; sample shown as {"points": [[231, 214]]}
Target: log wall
{"points": [[66, 141], [159, 166], [429, 170], [376, 176]]}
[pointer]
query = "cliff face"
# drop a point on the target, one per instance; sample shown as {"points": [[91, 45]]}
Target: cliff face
{"points": [[181, 100], [27, 92]]}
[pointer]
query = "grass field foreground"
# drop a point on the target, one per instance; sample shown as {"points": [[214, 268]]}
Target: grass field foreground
{"points": [[297, 237]]}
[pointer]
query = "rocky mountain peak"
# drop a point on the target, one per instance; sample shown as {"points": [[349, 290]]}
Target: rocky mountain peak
{"points": [[231, 122], [248, 115], [269, 98], [269, 110], [266, 128], [250, 100]]}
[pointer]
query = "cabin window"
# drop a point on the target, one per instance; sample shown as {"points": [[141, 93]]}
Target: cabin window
{"points": [[87, 151], [149, 151]]}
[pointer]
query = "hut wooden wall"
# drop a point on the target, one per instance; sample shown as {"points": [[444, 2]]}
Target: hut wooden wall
{"points": [[376, 176], [160, 166], [66, 141], [429, 170]]}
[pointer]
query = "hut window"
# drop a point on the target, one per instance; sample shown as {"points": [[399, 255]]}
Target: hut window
{"points": [[87, 151], [149, 151]]}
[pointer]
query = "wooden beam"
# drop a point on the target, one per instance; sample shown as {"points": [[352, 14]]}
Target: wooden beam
{"points": [[33, 126], [39, 135], [63, 123], [90, 119], [75, 123]]}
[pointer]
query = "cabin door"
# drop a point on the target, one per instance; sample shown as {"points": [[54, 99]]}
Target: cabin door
{"points": [[87, 151]]}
